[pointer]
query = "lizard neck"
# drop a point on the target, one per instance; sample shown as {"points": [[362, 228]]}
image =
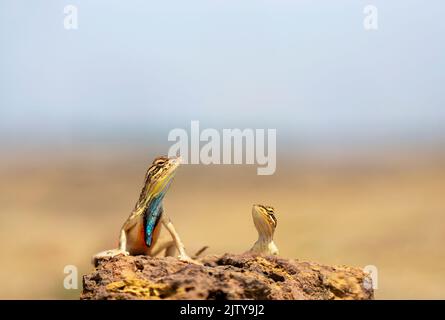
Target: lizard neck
{"points": [[264, 239], [265, 245]]}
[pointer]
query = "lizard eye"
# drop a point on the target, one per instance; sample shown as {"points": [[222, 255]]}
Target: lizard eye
{"points": [[159, 162]]}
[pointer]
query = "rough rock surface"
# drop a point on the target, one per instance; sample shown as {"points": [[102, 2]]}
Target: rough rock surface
{"points": [[223, 277]]}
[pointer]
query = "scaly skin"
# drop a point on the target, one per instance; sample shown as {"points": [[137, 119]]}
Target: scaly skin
{"points": [[140, 232], [265, 223]]}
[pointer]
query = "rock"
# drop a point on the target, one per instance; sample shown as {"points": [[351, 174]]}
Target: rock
{"points": [[228, 276]]}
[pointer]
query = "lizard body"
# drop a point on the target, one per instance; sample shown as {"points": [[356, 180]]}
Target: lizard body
{"points": [[140, 232], [265, 223]]}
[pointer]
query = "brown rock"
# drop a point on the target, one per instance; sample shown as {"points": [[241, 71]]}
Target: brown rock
{"points": [[223, 277]]}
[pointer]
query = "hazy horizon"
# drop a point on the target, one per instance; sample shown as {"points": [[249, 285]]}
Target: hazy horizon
{"points": [[140, 69]]}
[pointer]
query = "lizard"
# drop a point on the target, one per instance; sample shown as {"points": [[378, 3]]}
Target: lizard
{"points": [[265, 223], [140, 231]]}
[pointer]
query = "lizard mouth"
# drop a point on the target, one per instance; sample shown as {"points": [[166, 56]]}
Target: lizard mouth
{"points": [[177, 161]]}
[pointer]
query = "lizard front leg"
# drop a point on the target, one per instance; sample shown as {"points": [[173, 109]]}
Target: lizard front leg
{"points": [[113, 252], [183, 256], [123, 240]]}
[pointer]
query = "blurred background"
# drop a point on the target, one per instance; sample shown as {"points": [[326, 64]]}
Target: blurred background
{"points": [[359, 114]]}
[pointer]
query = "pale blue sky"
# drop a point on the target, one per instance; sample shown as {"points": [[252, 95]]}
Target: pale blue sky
{"points": [[141, 68]]}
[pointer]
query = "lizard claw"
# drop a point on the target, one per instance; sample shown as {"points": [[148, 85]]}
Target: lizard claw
{"points": [[187, 259]]}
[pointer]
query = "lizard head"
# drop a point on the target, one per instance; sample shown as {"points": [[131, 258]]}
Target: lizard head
{"points": [[161, 173], [264, 220]]}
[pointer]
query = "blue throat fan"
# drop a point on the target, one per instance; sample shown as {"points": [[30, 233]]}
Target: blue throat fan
{"points": [[151, 217]]}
